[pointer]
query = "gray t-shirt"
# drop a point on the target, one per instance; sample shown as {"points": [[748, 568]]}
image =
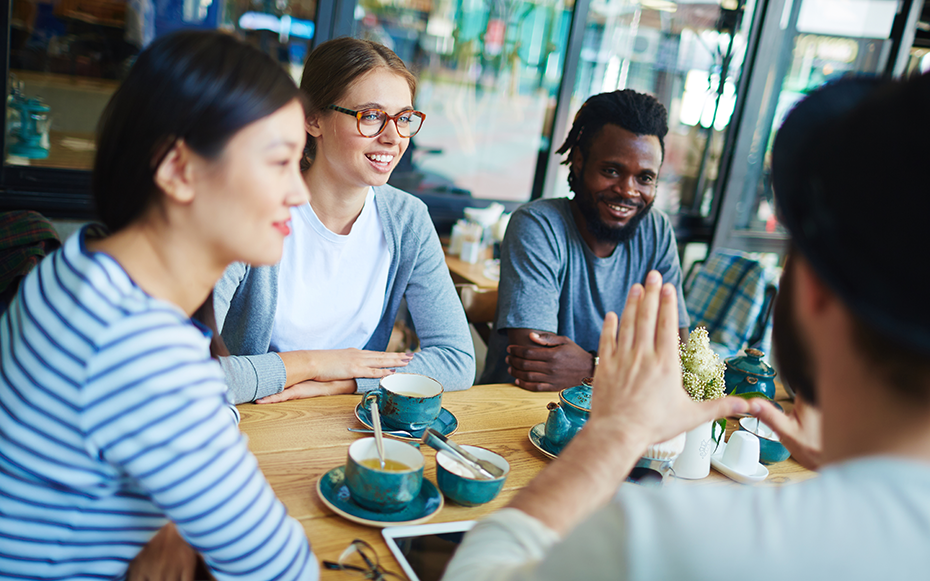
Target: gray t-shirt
{"points": [[551, 281]]}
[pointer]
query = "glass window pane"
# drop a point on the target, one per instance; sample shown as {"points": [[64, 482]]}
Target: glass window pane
{"points": [[67, 57], [489, 73], [678, 52], [828, 44]]}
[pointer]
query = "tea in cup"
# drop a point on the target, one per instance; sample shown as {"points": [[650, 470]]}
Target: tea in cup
{"points": [[383, 490], [406, 401]]}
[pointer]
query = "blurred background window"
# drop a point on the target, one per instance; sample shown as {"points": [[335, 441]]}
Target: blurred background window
{"points": [[500, 81], [67, 57]]}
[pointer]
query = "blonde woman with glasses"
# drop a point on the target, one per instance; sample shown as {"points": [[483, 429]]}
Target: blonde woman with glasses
{"points": [[318, 322]]}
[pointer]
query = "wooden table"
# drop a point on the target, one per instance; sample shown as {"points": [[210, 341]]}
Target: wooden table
{"points": [[467, 273], [298, 441]]}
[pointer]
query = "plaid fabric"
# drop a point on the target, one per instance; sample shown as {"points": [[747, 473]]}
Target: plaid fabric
{"points": [[727, 297], [25, 239]]}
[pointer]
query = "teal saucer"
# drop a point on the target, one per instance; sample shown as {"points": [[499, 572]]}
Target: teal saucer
{"points": [[335, 494], [538, 439], [445, 424]]}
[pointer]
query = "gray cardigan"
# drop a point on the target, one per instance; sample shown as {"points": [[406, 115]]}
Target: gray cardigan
{"points": [[245, 299]]}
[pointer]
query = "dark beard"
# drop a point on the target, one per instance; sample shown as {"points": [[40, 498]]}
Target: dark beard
{"points": [[791, 350], [601, 231]]}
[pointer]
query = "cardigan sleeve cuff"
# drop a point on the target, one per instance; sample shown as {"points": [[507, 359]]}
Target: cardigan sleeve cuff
{"points": [[251, 377]]}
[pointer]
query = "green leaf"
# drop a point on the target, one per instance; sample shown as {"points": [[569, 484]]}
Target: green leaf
{"points": [[751, 395], [722, 422]]}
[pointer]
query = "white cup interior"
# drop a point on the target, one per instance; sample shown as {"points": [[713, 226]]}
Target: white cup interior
{"points": [[365, 449], [449, 463], [407, 383], [742, 452], [758, 428]]}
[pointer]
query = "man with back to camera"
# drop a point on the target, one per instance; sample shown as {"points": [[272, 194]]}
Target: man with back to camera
{"points": [[566, 263], [852, 336]]}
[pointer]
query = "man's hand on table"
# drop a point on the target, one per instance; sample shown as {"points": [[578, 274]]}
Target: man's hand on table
{"points": [[637, 400], [541, 361], [799, 431]]}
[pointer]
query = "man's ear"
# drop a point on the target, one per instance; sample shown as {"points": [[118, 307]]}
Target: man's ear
{"points": [[174, 175], [812, 296]]}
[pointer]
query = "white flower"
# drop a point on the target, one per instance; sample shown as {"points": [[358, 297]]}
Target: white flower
{"points": [[701, 368]]}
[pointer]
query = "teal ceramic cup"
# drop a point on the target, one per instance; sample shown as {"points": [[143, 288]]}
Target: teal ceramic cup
{"points": [[407, 401], [568, 415], [461, 486], [771, 450], [383, 490]]}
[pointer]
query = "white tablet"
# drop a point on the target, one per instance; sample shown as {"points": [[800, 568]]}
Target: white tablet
{"points": [[423, 551]]}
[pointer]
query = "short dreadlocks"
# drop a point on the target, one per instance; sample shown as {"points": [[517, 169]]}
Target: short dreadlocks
{"points": [[639, 113]]}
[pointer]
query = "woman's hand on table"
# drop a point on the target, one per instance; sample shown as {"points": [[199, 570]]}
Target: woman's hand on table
{"points": [[326, 365], [799, 430], [306, 389]]}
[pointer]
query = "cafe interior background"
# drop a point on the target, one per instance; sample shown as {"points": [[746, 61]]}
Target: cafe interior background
{"points": [[500, 81]]}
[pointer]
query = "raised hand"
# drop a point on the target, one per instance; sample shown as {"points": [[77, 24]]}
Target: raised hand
{"points": [[551, 363], [638, 380]]}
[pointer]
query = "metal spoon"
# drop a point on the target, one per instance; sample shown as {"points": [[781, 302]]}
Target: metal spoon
{"points": [[399, 433], [376, 424], [481, 468]]}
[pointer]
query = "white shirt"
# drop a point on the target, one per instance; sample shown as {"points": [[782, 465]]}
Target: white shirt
{"points": [[331, 287]]}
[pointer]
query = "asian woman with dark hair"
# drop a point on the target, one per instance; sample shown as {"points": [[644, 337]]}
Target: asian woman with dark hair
{"points": [[113, 422]]}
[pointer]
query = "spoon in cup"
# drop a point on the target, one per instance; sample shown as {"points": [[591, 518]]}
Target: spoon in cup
{"points": [[376, 424]]}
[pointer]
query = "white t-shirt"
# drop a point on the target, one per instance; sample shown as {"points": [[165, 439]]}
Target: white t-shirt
{"points": [[331, 287]]}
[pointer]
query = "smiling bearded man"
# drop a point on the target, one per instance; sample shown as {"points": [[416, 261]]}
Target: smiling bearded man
{"points": [[566, 263]]}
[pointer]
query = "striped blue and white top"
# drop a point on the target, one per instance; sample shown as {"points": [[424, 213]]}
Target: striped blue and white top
{"points": [[112, 422]]}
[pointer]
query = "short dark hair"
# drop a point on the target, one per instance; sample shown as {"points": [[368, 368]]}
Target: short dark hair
{"points": [[199, 86], [638, 113], [332, 67], [850, 175]]}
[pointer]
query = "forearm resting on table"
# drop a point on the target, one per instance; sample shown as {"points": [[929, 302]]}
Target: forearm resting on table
{"points": [[510, 544], [300, 366]]}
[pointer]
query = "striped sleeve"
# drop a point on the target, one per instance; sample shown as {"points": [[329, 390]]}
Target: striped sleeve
{"points": [[154, 407]]}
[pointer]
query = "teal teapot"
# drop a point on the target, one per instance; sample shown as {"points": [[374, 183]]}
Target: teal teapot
{"points": [[568, 415], [748, 373]]}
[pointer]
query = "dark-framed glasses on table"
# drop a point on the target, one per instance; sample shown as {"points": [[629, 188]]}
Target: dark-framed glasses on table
{"points": [[360, 560]]}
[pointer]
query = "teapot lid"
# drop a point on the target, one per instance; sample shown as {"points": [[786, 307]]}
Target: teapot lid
{"points": [[578, 396], [751, 363]]}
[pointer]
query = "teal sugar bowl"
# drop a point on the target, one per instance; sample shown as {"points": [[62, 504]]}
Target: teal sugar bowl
{"points": [[568, 415], [748, 373], [467, 490]]}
